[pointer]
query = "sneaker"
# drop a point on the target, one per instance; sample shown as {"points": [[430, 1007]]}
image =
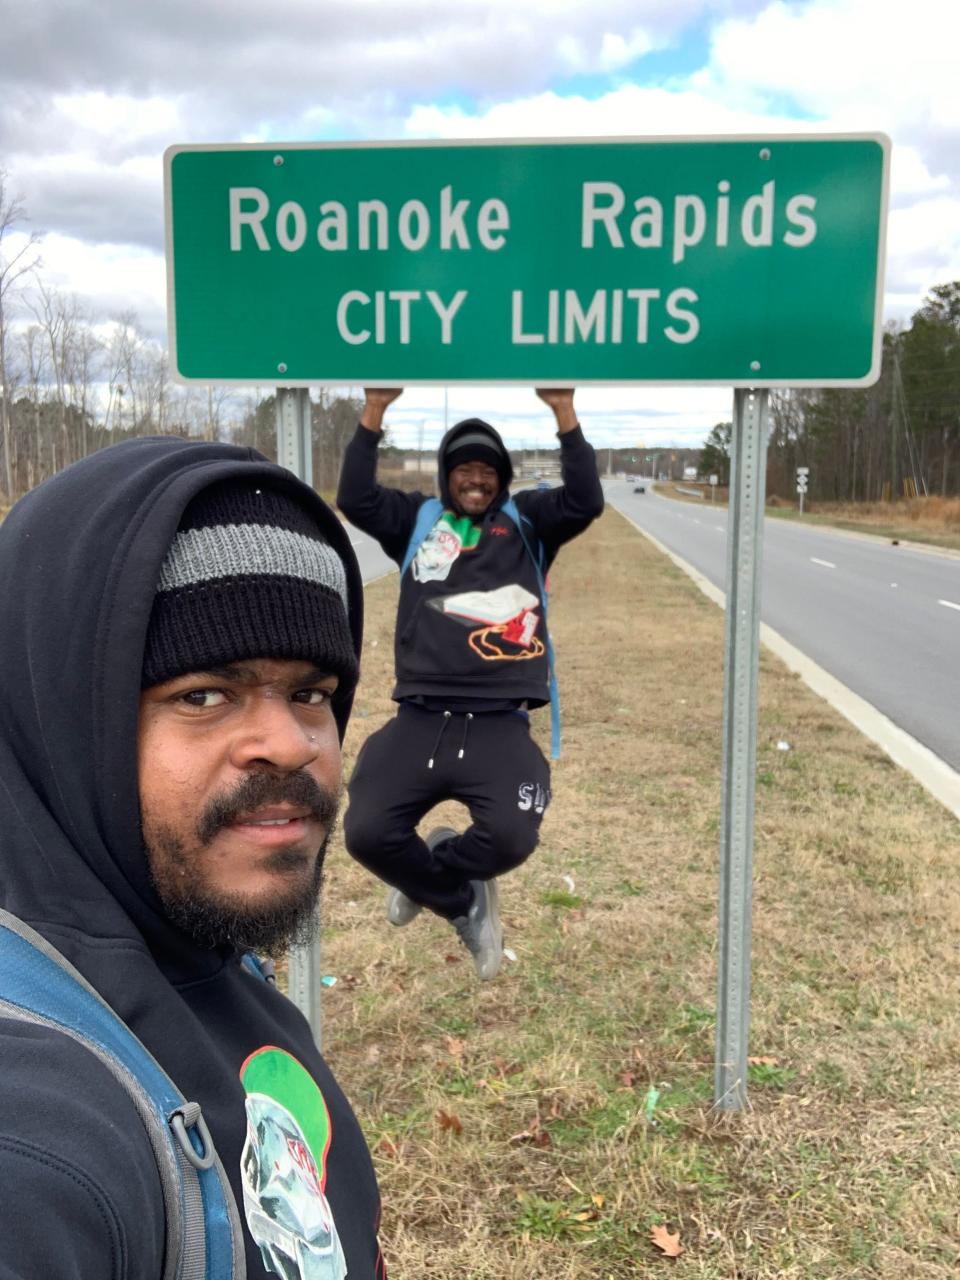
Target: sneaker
{"points": [[480, 929], [401, 909], [438, 835]]}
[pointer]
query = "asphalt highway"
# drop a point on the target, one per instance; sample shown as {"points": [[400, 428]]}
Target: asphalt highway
{"points": [[883, 619]]}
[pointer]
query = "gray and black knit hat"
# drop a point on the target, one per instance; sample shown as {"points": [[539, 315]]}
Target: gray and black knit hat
{"points": [[476, 443], [248, 575]]}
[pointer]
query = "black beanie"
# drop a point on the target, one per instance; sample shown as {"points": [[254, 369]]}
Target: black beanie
{"points": [[248, 575], [476, 444]]}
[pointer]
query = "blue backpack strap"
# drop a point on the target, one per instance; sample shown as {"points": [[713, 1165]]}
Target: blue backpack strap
{"points": [[38, 985], [510, 509], [427, 516]]}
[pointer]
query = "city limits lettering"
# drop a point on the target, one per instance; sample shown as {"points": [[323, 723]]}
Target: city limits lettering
{"points": [[609, 217]]}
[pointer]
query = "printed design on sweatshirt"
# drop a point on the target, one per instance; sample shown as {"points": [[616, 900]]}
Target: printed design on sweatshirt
{"points": [[449, 538], [283, 1169], [509, 617]]}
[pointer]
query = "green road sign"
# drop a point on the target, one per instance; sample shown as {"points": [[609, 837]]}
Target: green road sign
{"points": [[742, 261]]}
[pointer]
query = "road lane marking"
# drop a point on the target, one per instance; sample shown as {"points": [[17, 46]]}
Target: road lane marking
{"points": [[931, 772], [826, 563], [948, 604]]}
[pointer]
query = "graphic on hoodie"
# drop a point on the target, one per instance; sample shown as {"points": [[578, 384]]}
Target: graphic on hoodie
{"points": [[510, 618], [283, 1169], [448, 538]]}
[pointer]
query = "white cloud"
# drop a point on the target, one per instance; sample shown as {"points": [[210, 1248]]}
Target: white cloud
{"points": [[873, 61], [112, 278], [628, 111]]}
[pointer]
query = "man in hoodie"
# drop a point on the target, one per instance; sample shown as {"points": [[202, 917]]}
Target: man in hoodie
{"points": [[471, 656], [179, 652]]}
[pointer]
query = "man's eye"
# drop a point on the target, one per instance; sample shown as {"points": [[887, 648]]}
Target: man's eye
{"points": [[313, 697], [203, 697]]}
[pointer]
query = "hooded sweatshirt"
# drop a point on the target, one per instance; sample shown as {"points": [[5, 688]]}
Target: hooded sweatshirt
{"points": [[80, 559], [470, 627]]}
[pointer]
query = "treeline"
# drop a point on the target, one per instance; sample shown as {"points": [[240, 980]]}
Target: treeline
{"points": [[898, 438], [70, 388], [71, 383]]}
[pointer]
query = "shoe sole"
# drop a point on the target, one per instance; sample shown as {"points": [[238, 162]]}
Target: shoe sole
{"points": [[487, 971]]}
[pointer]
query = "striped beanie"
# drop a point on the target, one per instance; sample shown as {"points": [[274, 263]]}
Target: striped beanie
{"points": [[248, 575], [476, 443]]}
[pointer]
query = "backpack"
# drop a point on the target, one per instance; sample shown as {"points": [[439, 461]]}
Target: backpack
{"points": [[428, 514], [203, 1237]]}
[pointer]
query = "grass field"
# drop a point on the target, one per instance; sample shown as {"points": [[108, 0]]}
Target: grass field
{"points": [[540, 1126]]}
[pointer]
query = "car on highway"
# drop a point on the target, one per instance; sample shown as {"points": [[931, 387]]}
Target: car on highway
{"points": [[639, 488]]}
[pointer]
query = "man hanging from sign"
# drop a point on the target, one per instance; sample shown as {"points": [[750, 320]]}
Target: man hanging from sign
{"points": [[472, 657]]}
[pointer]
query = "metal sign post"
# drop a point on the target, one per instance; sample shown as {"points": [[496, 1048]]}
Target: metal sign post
{"points": [[748, 457], [295, 452]]}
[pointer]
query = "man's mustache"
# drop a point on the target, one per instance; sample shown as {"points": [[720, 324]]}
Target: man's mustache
{"points": [[255, 790]]}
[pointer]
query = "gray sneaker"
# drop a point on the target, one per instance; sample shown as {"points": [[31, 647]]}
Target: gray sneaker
{"points": [[438, 835], [401, 909], [480, 929]]}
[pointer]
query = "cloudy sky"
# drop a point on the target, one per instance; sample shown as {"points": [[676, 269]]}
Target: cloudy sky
{"points": [[93, 93]]}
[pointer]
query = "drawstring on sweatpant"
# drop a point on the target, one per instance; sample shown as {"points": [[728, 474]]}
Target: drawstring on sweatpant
{"points": [[467, 717], [436, 745]]}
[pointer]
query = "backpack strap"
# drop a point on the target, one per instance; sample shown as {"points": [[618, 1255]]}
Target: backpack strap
{"points": [[510, 509], [428, 513], [203, 1237]]}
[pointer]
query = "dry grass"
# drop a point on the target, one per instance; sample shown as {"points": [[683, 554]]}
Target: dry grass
{"points": [[846, 1163], [933, 520]]}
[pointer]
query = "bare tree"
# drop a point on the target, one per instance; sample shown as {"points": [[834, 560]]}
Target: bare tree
{"points": [[12, 268]]}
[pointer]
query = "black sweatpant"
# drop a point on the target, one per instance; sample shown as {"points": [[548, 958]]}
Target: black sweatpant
{"points": [[487, 760]]}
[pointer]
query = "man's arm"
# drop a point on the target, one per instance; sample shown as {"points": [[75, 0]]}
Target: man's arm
{"points": [[560, 400], [560, 514], [81, 1198], [386, 514]]}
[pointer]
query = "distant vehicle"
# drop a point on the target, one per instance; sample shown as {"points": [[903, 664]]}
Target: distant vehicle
{"points": [[639, 488]]}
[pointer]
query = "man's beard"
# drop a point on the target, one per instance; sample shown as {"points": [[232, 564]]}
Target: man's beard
{"points": [[214, 919]]}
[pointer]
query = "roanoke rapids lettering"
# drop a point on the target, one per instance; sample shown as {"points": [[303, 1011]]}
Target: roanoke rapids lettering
{"points": [[609, 219]]}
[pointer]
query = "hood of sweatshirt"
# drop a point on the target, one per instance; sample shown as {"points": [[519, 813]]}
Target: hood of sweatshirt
{"points": [[80, 559], [469, 427]]}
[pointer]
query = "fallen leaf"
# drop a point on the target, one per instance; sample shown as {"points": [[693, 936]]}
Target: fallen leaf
{"points": [[450, 958], [533, 1134], [667, 1242], [389, 1148], [762, 1062], [598, 1201], [447, 1120], [627, 1078], [373, 1055], [455, 1046]]}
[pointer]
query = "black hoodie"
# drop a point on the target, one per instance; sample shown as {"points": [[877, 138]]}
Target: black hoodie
{"points": [[468, 621], [79, 561]]}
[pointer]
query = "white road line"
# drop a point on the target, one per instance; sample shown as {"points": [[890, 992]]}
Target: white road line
{"points": [[826, 563], [948, 604]]}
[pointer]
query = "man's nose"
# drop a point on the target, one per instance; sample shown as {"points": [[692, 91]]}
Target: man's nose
{"points": [[272, 733]]}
